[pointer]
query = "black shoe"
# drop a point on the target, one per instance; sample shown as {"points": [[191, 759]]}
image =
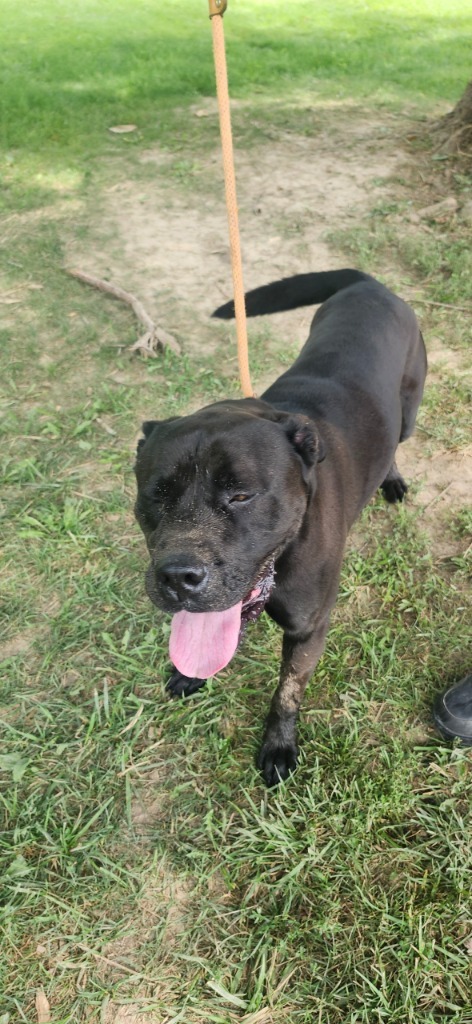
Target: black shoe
{"points": [[453, 712]]}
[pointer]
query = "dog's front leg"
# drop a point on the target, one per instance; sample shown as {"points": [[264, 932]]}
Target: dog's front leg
{"points": [[182, 686], [279, 751]]}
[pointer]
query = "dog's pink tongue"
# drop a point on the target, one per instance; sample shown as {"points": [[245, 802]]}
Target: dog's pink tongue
{"points": [[202, 643]]}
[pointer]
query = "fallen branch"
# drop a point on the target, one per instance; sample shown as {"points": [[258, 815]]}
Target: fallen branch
{"points": [[155, 338], [116, 963], [445, 305], [437, 497]]}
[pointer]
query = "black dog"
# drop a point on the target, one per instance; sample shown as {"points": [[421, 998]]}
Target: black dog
{"points": [[247, 504]]}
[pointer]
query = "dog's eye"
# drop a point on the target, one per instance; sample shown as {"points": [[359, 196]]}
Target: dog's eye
{"points": [[240, 499]]}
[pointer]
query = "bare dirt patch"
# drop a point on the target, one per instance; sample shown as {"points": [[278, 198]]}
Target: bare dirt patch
{"points": [[170, 242], [19, 644], [130, 1013], [149, 801], [444, 483]]}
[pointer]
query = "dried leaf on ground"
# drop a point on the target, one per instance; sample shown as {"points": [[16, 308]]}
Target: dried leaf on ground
{"points": [[43, 1010], [122, 129]]}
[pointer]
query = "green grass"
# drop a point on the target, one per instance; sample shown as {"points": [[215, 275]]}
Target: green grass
{"points": [[138, 831], [353, 880], [69, 73], [444, 258], [143, 865], [438, 257]]}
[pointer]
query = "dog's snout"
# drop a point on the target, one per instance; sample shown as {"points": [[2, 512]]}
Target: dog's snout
{"points": [[182, 577]]}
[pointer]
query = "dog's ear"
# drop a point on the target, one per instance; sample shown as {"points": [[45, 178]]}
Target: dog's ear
{"points": [[148, 426], [306, 441], [147, 429]]}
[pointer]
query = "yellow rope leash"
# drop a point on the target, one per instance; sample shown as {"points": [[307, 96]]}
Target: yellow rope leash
{"points": [[217, 9]]}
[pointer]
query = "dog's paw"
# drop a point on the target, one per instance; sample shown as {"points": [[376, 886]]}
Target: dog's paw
{"points": [[394, 490], [277, 761], [182, 686]]}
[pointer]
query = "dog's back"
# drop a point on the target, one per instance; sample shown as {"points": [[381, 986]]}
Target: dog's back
{"points": [[364, 345]]}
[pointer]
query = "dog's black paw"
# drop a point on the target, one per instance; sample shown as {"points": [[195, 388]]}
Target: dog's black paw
{"points": [[277, 761], [394, 489], [182, 686]]}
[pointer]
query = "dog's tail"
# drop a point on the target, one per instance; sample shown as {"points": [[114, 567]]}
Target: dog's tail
{"points": [[292, 292]]}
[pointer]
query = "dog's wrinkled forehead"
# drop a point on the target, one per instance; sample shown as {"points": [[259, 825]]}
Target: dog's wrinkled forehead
{"points": [[223, 450]]}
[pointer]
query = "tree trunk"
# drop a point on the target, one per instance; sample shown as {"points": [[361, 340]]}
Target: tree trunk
{"points": [[454, 131]]}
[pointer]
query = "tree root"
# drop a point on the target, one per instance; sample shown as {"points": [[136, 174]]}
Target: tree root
{"points": [[155, 339]]}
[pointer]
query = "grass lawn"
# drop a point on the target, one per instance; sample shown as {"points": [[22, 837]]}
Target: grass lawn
{"points": [[146, 875]]}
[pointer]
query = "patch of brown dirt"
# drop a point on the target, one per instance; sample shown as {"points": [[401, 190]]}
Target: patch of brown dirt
{"points": [[171, 243], [130, 1013], [19, 644], [444, 483], [149, 801], [23, 643], [170, 897]]}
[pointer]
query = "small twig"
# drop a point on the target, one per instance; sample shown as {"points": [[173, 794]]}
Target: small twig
{"points": [[105, 426], [436, 498], [155, 338], [447, 305], [116, 963]]}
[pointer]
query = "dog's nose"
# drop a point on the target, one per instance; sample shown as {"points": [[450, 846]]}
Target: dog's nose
{"points": [[182, 577]]}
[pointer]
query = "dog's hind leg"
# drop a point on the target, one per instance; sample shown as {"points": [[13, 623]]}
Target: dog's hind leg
{"points": [[411, 390], [394, 486]]}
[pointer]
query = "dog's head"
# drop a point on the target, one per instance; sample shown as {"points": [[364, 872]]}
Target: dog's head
{"points": [[220, 494]]}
